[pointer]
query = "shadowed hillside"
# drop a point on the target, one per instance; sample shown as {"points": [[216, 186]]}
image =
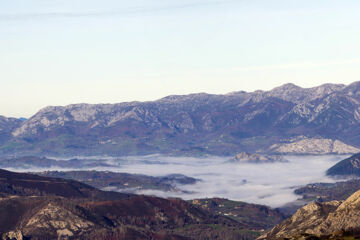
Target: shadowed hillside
{"points": [[36, 207]]}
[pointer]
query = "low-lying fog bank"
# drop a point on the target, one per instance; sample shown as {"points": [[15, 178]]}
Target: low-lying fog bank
{"points": [[268, 183]]}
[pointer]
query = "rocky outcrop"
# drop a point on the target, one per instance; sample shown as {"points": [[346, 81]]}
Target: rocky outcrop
{"points": [[244, 157], [61, 221], [314, 146], [13, 235], [321, 220]]}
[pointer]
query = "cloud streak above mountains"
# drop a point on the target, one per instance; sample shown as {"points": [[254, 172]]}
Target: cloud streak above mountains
{"points": [[112, 13]]}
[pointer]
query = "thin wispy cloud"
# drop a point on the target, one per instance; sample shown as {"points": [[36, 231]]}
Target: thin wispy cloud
{"points": [[293, 66], [119, 12]]}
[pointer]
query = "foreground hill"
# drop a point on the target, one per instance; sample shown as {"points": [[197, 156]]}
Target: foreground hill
{"points": [[124, 182], [100, 179], [328, 191], [287, 119], [328, 220], [347, 167], [37, 207], [34, 162], [23, 184], [321, 192], [254, 215]]}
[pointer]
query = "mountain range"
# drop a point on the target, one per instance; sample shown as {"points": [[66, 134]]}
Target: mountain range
{"points": [[286, 119]]}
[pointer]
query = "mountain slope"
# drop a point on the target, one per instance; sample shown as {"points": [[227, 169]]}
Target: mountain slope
{"points": [[7, 126], [23, 184], [347, 167], [329, 220], [328, 191], [36, 207], [124, 182], [196, 123]]}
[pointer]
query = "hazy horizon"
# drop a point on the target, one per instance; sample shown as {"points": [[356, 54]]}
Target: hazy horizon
{"points": [[61, 52], [136, 100]]}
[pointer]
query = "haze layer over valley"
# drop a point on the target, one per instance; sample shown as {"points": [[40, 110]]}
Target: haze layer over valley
{"points": [[271, 183]]}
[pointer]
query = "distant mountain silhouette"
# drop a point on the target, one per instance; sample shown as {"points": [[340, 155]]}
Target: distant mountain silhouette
{"points": [[264, 121]]}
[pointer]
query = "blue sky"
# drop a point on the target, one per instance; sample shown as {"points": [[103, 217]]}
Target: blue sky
{"points": [[58, 52]]}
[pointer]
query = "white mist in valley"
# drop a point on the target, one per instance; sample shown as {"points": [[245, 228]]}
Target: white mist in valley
{"points": [[271, 184], [268, 183]]}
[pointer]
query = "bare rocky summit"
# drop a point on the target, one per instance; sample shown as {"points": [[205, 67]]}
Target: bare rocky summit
{"points": [[313, 146], [244, 157], [328, 220]]}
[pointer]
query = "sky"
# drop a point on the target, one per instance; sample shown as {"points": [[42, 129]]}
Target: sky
{"points": [[59, 52]]}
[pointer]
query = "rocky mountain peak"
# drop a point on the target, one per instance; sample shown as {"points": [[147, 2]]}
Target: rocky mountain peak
{"points": [[175, 98], [328, 88], [328, 220], [293, 93], [352, 202], [286, 87], [353, 89], [244, 157]]}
